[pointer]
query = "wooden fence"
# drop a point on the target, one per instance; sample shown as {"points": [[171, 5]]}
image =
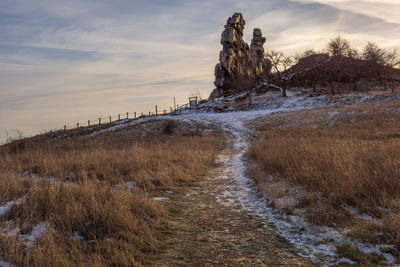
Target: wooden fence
{"points": [[126, 116]]}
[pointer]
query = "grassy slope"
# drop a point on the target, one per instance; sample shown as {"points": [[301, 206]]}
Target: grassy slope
{"points": [[121, 224], [340, 157]]}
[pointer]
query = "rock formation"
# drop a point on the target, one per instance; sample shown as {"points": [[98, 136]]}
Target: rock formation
{"points": [[239, 66], [261, 65]]}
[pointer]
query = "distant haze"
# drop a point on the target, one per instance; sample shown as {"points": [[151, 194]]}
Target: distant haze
{"points": [[68, 61]]}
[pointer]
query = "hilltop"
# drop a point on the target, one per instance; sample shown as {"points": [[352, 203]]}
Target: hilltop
{"points": [[244, 68]]}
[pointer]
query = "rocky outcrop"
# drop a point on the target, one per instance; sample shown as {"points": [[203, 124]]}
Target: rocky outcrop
{"points": [[261, 65], [239, 66]]}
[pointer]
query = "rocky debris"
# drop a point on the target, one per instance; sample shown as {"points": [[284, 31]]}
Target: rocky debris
{"points": [[239, 66]]}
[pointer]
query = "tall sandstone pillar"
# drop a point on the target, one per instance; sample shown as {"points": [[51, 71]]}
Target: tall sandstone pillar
{"points": [[239, 66]]}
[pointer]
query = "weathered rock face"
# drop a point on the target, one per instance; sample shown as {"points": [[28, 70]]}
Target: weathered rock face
{"points": [[239, 66], [261, 65]]}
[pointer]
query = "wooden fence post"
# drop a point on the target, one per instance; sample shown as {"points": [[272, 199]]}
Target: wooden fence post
{"points": [[127, 115], [135, 115], [149, 113], [77, 125], [88, 123], [156, 110], [65, 127], [99, 121], [110, 119], [119, 116]]}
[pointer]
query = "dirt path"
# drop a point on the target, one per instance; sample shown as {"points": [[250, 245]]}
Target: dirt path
{"points": [[209, 228], [226, 221]]}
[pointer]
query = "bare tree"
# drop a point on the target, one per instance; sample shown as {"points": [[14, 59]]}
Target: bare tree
{"points": [[280, 64], [381, 62], [304, 54], [339, 47], [392, 58], [373, 53]]}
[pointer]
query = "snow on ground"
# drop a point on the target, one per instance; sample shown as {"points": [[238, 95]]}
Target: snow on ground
{"points": [[5, 264], [130, 184], [315, 242], [37, 232], [6, 207], [161, 198]]}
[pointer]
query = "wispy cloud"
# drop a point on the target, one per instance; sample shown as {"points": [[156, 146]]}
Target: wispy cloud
{"points": [[386, 10]]}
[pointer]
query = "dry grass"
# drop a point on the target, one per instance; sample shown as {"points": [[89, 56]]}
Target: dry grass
{"points": [[121, 224], [156, 160], [350, 157], [116, 226]]}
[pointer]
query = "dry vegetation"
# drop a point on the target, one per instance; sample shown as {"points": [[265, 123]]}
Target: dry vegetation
{"points": [[339, 158], [90, 216]]}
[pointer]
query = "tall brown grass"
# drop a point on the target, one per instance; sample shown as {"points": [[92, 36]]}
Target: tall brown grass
{"points": [[353, 159], [121, 224], [116, 226], [156, 160]]}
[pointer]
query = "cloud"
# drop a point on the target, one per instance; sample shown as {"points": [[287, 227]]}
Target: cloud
{"points": [[386, 10]]}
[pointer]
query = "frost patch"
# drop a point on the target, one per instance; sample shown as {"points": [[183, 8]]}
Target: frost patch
{"points": [[6, 264], [7, 206], [130, 184], [78, 236], [161, 198], [37, 232]]}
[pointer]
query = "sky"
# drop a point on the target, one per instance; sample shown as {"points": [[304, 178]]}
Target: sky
{"points": [[67, 61]]}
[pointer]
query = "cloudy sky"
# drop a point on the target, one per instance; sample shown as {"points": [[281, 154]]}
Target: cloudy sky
{"points": [[68, 61]]}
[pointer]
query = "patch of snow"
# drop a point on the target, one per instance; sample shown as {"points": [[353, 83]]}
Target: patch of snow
{"points": [[130, 184], [333, 114], [6, 264], [37, 232], [78, 236], [357, 214], [344, 260], [13, 232], [161, 198], [6, 207], [168, 192]]}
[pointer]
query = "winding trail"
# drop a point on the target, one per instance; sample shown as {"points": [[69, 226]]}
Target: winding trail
{"points": [[214, 225], [225, 221]]}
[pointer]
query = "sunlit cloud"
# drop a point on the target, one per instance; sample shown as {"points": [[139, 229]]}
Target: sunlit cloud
{"points": [[386, 10]]}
